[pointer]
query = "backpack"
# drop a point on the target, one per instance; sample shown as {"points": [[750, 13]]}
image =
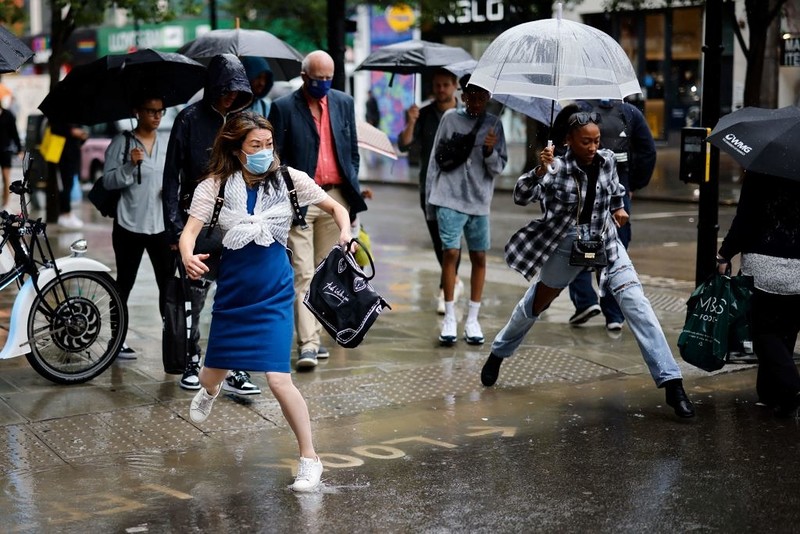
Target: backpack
{"points": [[453, 152], [106, 200]]}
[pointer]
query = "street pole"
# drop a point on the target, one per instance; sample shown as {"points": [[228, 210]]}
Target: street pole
{"points": [[336, 48], [212, 14], [708, 209]]}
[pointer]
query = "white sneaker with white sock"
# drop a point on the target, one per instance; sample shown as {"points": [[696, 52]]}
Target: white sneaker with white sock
{"points": [[440, 302], [472, 330], [201, 405], [458, 290], [449, 326]]}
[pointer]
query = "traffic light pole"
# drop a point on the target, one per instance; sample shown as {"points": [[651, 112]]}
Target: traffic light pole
{"points": [[708, 210]]}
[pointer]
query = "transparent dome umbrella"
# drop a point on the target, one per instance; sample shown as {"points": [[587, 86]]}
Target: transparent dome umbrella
{"points": [[556, 59]]}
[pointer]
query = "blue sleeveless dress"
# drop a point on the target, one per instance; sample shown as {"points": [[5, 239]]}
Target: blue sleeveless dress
{"points": [[252, 321]]}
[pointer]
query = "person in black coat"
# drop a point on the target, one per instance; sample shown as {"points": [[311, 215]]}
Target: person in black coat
{"points": [[227, 91], [9, 146]]}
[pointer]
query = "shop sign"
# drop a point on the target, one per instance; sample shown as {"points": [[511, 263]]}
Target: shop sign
{"points": [[476, 11], [790, 52]]}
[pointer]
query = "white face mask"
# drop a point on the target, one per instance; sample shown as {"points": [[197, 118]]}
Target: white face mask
{"points": [[259, 162]]}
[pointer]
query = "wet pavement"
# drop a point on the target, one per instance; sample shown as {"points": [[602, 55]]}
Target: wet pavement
{"points": [[573, 438]]}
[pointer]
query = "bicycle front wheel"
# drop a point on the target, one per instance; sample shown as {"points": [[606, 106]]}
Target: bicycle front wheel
{"points": [[76, 327]]}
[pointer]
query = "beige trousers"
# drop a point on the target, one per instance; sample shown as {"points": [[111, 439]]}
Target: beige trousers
{"points": [[309, 247]]}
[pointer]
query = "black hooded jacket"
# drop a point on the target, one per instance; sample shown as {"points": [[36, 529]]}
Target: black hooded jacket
{"points": [[192, 137]]}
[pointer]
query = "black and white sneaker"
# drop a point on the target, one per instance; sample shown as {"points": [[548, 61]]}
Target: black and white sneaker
{"points": [[191, 377], [583, 315], [126, 353], [323, 352], [239, 382]]}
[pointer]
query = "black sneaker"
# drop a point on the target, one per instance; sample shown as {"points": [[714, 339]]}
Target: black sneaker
{"points": [[581, 316], [191, 377], [239, 382], [491, 370], [126, 353], [323, 352]]}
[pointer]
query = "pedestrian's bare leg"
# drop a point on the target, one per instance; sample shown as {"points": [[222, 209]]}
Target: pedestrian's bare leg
{"points": [[450, 259], [545, 295], [211, 379], [478, 277], [6, 185], [294, 409]]}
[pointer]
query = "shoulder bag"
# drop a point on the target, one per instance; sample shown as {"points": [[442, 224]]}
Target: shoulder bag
{"points": [[453, 152], [587, 252], [106, 200]]}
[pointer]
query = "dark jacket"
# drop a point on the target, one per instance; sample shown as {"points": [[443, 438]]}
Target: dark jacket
{"points": [[767, 218], [9, 136], [193, 135], [297, 139], [638, 142]]}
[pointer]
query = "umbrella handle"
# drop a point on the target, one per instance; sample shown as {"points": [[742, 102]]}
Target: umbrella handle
{"points": [[554, 167], [139, 173]]}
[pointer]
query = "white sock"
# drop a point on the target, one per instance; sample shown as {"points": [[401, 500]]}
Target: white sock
{"points": [[472, 314], [449, 309]]}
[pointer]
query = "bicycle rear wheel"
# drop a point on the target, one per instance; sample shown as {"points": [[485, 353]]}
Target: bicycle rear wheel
{"points": [[76, 327]]}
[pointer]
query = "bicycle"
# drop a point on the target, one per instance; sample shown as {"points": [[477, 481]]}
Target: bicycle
{"points": [[68, 318]]}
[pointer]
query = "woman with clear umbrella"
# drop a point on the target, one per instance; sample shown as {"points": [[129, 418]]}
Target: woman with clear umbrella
{"points": [[582, 198]]}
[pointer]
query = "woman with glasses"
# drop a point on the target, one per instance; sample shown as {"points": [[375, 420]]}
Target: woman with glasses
{"points": [[135, 165], [582, 200]]}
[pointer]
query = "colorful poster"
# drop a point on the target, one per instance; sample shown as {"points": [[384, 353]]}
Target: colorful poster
{"points": [[393, 93]]}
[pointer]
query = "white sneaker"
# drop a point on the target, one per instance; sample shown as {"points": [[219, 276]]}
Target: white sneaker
{"points": [[309, 473], [458, 290], [69, 220], [201, 405], [472, 333], [449, 331], [440, 302]]}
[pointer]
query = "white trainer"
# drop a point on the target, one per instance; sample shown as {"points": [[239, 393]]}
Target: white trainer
{"points": [[440, 302], [458, 290], [309, 473], [201, 405], [473, 334], [449, 331]]}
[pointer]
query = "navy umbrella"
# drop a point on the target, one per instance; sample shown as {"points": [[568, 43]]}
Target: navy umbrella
{"points": [[102, 91], [762, 140]]}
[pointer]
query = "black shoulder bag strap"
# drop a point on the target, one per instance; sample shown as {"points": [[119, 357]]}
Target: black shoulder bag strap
{"points": [[218, 202], [299, 219], [128, 136]]}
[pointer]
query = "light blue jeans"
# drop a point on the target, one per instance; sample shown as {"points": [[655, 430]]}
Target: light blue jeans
{"points": [[627, 290]]}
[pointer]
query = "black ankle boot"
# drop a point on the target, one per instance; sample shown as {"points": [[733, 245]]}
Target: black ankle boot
{"points": [[677, 398], [491, 370]]}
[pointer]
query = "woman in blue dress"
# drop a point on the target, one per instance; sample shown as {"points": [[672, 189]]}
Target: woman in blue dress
{"points": [[252, 318]]}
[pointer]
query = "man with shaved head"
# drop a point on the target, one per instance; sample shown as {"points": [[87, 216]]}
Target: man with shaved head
{"points": [[315, 132]]}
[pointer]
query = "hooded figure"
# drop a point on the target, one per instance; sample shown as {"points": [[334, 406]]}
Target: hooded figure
{"points": [[227, 90], [261, 82]]}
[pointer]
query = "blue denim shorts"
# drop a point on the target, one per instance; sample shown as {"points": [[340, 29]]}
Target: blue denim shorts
{"points": [[452, 224]]}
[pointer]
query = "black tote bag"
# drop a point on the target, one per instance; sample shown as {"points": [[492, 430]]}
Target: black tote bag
{"points": [[175, 331], [342, 299]]}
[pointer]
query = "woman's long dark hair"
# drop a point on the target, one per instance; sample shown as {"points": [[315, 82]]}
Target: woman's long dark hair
{"points": [[225, 161]]}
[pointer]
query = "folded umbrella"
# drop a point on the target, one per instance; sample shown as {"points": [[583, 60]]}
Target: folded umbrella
{"points": [[762, 140]]}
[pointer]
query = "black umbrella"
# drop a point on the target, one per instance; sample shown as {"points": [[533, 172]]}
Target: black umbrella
{"points": [[13, 52], [412, 57], [762, 140], [102, 90], [283, 59]]}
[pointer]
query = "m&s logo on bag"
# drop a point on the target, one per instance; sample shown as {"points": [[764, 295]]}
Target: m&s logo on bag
{"points": [[711, 308]]}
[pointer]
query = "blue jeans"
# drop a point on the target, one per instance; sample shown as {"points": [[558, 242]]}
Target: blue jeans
{"points": [[581, 291], [623, 283]]}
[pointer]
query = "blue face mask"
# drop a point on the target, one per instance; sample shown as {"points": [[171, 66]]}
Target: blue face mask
{"points": [[318, 88], [259, 162]]}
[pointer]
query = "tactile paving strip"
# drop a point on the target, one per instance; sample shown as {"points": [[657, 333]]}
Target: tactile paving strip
{"points": [[22, 451], [453, 378]]}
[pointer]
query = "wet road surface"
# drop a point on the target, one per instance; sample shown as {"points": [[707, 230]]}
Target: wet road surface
{"points": [[573, 438]]}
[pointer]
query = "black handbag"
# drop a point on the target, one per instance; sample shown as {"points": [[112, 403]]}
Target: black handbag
{"points": [[587, 252], [106, 200], [342, 299], [174, 330]]}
